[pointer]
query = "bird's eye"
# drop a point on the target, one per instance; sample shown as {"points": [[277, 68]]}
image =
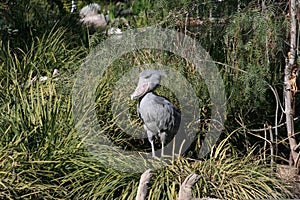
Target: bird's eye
{"points": [[147, 76]]}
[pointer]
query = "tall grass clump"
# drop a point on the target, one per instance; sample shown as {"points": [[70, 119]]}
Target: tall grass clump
{"points": [[37, 134]]}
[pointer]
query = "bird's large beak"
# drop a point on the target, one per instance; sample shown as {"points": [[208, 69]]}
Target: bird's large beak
{"points": [[140, 91]]}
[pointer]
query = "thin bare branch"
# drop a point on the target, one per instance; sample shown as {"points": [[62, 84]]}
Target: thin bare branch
{"points": [[272, 127]]}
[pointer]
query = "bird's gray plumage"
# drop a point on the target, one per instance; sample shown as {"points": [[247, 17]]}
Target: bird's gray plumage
{"points": [[90, 15], [159, 115]]}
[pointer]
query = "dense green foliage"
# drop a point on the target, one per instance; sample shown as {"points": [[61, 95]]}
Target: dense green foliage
{"points": [[42, 156]]}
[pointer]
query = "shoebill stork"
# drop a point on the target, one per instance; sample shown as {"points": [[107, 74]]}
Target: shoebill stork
{"points": [[160, 117]]}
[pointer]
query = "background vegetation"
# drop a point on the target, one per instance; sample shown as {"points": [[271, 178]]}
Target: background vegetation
{"points": [[43, 157]]}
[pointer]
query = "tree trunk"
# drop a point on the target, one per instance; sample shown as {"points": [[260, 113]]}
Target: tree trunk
{"points": [[289, 90]]}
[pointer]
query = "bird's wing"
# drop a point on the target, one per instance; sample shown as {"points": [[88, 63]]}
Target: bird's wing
{"points": [[157, 113]]}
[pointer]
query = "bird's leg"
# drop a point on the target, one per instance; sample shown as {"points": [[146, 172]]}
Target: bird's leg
{"points": [[152, 147], [151, 140], [163, 140]]}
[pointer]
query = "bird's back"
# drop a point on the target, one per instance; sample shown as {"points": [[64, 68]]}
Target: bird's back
{"points": [[158, 114]]}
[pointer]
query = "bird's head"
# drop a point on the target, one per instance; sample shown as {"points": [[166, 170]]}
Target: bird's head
{"points": [[148, 80]]}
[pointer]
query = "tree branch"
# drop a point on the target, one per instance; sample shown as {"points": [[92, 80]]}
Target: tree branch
{"points": [[272, 127], [185, 191], [142, 189]]}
